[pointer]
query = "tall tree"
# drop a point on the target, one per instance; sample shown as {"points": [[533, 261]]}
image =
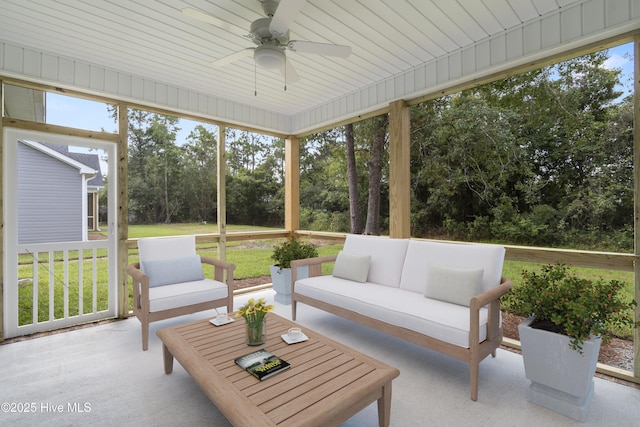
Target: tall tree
{"points": [[376, 163], [200, 173], [164, 167], [352, 174]]}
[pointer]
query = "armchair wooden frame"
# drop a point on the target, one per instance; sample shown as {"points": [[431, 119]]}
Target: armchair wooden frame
{"points": [[141, 296]]}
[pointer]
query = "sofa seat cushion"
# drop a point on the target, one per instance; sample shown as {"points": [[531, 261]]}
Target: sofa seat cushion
{"points": [[182, 294], [438, 319]]}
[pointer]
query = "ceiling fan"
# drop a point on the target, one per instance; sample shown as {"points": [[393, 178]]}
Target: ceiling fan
{"points": [[271, 37]]}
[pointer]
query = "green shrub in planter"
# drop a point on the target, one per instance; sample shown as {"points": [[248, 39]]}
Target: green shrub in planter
{"points": [[576, 307], [291, 250]]}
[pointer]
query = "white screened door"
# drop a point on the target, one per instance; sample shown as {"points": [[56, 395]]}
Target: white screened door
{"points": [[55, 273]]}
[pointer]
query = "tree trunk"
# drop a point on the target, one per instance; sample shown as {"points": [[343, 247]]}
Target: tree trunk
{"points": [[354, 205], [167, 218], [375, 174]]}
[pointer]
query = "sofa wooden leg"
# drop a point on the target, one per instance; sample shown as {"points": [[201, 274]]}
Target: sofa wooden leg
{"points": [[293, 310], [473, 371]]}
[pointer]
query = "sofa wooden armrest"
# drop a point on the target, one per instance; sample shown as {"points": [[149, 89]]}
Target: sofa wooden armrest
{"points": [[479, 351], [492, 299], [314, 264], [315, 269]]}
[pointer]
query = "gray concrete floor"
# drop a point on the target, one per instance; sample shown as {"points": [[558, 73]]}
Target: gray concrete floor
{"points": [[100, 376]]}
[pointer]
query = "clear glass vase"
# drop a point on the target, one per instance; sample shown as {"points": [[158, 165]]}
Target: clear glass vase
{"points": [[257, 332]]}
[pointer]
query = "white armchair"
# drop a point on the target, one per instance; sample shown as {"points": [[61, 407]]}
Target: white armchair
{"points": [[169, 281]]}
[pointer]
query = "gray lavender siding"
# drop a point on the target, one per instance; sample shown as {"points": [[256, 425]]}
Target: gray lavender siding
{"points": [[49, 198]]}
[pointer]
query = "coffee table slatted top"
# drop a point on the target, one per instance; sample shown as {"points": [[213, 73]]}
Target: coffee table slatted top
{"points": [[326, 384]]}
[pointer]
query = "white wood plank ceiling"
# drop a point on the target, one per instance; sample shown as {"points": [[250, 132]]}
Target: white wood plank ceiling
{"points": [[392, 41]]}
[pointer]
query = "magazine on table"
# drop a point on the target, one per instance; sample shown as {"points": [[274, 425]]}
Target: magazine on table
{"points": [[262, 364]]}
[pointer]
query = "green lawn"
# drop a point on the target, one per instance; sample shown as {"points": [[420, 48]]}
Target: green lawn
{"points": [[252, 259], [71, 291], [157, 230]]}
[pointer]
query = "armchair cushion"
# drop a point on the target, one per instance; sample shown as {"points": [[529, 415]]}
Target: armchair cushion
{"points": [[352, 267], [187, 293], [176, 270], [454, 285]]}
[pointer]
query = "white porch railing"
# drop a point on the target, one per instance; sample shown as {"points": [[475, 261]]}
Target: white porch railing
{"points": [[63, 284]]}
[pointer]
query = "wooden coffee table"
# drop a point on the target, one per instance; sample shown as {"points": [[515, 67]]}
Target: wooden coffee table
{"points": [[327, 383]]}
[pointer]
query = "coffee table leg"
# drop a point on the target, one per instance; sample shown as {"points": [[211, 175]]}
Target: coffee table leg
{"points": [[384, 406], [168, 359]]}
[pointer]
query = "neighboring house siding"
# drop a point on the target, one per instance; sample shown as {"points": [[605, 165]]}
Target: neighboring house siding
{"points": [[49, 198]]}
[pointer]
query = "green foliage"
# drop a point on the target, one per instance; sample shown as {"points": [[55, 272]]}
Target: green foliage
{"points": [[200, 175], [576, 307], [324, 221], [541, 158], [292, 249]]}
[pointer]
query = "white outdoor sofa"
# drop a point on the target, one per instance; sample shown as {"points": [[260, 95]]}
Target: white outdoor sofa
{"points": [[443, 296]]}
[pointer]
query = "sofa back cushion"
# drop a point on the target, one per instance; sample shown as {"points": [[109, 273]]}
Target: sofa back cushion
{"points": [[387, 257], [422, 253]]}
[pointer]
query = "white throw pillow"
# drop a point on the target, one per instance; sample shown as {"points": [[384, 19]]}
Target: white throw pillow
{"points": [[177, 270], [454, 285], [352, 267]]}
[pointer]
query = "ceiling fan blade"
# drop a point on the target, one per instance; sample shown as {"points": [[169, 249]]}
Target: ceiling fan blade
{"points": [[288, 72], [284, 16], [210, 19], [325, 49], [225, 60]]}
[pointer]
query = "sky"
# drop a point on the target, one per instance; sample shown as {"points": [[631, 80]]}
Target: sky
{"points": [[80, 113], [75, 112], [622, 57]]}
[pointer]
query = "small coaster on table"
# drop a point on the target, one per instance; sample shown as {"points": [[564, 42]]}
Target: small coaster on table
{"points": [[294, 340], [221, 321]]}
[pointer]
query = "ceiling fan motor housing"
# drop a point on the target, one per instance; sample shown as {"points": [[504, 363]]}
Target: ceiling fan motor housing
{"points": [[260, 33]]}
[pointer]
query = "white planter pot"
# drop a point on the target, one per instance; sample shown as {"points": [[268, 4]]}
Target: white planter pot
{"points": [[281, 281], [561, 378]]}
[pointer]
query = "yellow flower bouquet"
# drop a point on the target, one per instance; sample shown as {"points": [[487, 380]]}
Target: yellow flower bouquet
{"points": [[254, 314]]}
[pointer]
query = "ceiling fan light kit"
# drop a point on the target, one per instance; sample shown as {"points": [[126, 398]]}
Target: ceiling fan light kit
{"points": [[271, 37], [269, 57]]}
